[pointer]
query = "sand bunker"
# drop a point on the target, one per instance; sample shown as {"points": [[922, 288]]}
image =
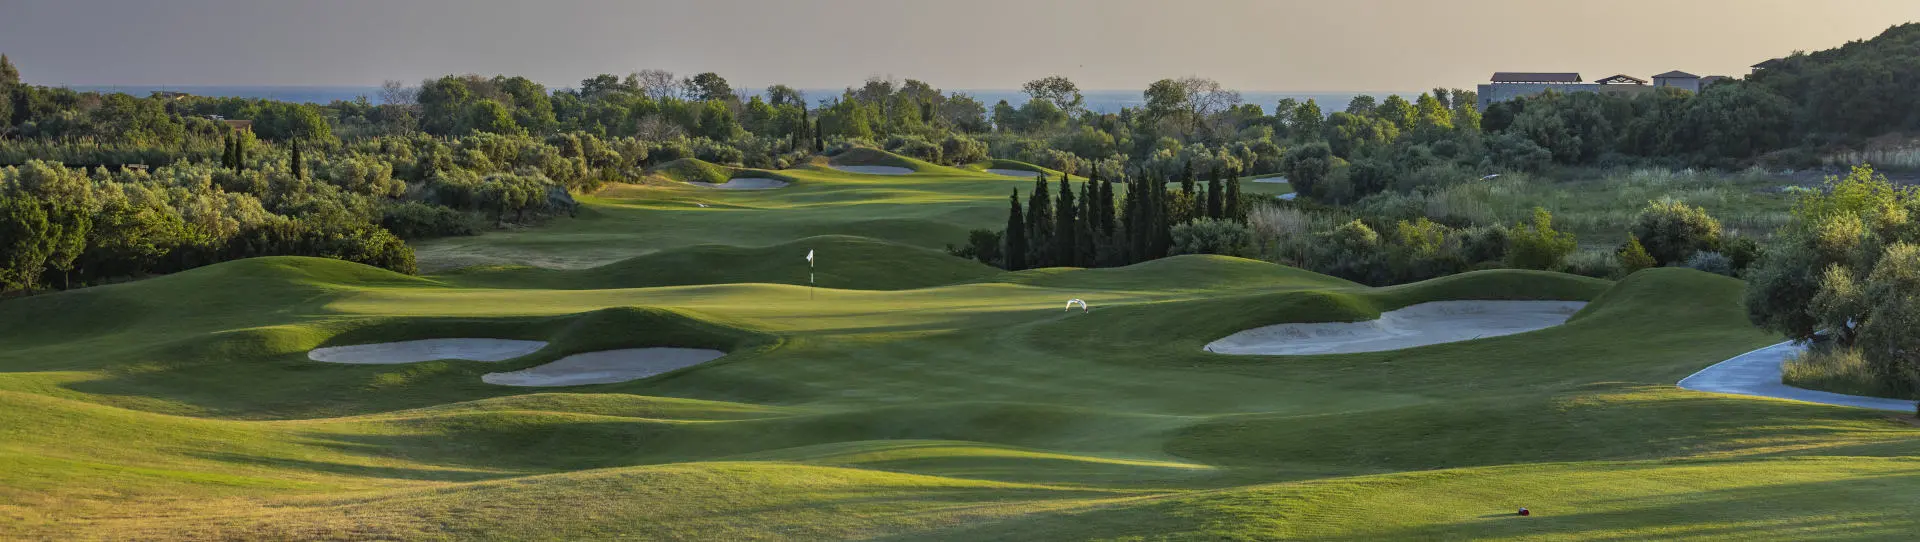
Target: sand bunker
{"points": [[1288, 196], [744, 183], [605, 367], [1419, 325], [426, 350], [1271, 180], [1014, 173], [875, 170]]}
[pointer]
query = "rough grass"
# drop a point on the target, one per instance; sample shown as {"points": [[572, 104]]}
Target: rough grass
{"points": [[961, 407], [1836, 370], [1599, 206]]}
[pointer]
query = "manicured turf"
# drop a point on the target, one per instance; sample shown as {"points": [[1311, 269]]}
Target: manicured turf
{"points": [[916, 396]]}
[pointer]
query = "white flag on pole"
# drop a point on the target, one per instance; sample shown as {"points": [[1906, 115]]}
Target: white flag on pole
{"points": [[809, 257]]}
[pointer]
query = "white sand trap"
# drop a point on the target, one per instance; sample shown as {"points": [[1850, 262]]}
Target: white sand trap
{"points": [[426, 350], [1419, 325], [874, 170], [1014, 173], [744, 183], [1271, 180], [605, 367], [1288, 196]]}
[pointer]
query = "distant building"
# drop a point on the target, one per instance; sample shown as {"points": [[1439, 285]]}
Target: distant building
{"points": [[1678, 79], [1512, 85], [1507, 86], [1775, 63], [239, 125]]}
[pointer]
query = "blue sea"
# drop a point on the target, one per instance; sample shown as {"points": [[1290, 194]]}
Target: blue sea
{"points": [[1104, 101]]}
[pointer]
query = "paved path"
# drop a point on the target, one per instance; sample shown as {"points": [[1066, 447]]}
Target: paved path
{"points": [[1757, 373]]}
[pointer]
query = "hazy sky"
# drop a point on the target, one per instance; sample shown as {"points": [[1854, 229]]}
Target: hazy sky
{"points": [[1301, 45]]}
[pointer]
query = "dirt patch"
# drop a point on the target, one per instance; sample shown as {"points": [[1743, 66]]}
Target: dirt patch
{"points": [[605, 367]]}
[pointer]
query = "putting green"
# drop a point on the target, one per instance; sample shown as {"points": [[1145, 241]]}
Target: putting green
{"points": [[918, 396]]}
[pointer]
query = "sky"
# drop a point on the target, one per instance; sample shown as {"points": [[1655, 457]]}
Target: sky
{"points": [[1280, 45]]}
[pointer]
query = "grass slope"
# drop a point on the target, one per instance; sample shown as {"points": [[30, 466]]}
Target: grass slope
{"points": [[841, 262], [916, 396]]}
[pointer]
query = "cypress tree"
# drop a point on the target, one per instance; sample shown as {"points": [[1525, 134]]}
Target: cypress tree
{"points": [[1089, 248], [1213, 195], [1040, 224], [1232, 209], [819, 138], [1130, 222], [1103, 196], [1065, 232], [1186, 179], [1162, 232], [1197, 207], [1016, 236], [299, 171], [226, 152], [239, 153]]}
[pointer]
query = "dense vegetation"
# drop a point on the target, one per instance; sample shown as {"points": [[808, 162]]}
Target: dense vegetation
{"points": [[465, 153], [1846, 273]]}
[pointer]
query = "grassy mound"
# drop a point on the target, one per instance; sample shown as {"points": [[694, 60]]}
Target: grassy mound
{"points": [[863, 156], [1191, 272], [1016, 165], [691, 170], [844, 262]]}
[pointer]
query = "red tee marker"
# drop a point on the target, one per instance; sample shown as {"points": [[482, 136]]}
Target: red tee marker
{"points": [[1526, 512]]}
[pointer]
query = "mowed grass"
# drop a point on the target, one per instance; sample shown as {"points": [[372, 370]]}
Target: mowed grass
{"points": [[917, 397]]}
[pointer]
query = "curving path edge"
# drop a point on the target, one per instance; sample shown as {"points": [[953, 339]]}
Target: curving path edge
{"points": [[1757, 373]]}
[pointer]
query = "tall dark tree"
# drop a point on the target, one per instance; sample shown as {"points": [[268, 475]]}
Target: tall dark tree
{"points": [[1016, 235], [1086, 248], [226, 153], [298, 164], [1186, 179], [819, 138], [1232, 209], [1040, 224], [1213, 194], [1065, 232], [1103, 189], [1132, 223]]}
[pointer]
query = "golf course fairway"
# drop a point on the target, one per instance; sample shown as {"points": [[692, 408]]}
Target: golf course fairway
{"points": [[906, 394]]}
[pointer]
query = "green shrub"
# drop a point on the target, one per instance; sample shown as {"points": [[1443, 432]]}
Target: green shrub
{"points": [[1212, 236], [1634, 257], [419, 220], [1537, 245], [1673, 231], [1711, 262], [1598, 264]]}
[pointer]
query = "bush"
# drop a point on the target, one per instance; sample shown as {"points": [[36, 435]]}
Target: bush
{"points": [[1673, 231], [1537, 245], [1633, 257], [1711, 262], [1598, 264], [915, 147], [960, 149], [419, 220], [1352, 251], [1212, 236]]}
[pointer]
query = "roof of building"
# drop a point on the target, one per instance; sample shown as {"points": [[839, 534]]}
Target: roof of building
{"points": [[1536, 77], [1676, 74], [1769, 63], [1622, 79], [239, 124]]}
